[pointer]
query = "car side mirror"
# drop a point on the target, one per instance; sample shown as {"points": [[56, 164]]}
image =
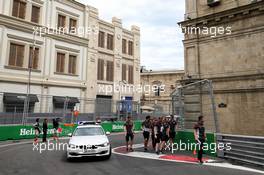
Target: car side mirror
{"points": [[107, 133], [70, 134]]}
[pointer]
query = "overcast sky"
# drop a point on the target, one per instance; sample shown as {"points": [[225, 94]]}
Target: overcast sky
{"points": [[161, 38]]}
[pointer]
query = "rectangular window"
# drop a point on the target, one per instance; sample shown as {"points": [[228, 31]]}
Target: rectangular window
{"points": [[35, 14], [34, 60], [16, 55], [110, 71], [101, 39], [130, 48], [61, 21], [124, 46], [73, 25], [60, 62], [124, 66], [130, 74], [110, 42], [100, 69], [19, 9], [72, 64], [157, 91]]}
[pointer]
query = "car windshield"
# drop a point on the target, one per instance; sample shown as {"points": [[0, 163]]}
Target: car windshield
{"points": [[92, 131]]}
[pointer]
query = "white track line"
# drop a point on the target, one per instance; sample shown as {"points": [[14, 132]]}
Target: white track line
{"points": [[157, 157]]}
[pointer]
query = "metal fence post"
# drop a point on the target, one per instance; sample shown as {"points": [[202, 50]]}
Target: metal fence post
{"points": [[213, 105]]}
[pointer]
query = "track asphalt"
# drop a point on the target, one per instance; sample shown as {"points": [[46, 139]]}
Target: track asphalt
{"points": [[20, 159]]}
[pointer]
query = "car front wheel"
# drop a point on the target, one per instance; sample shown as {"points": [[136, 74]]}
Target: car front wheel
{"points": [[109, 155]]}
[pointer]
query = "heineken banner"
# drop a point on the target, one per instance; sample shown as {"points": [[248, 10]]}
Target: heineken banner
{"points": [[28, 132]]}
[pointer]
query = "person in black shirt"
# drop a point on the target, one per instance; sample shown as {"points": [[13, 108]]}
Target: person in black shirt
{"points": [[55, 123], [165, 130], [45, 130], [173, 125], [37, 130], [200, 137], [157, 134], [146, 127], [129, 129], [152, 121]]}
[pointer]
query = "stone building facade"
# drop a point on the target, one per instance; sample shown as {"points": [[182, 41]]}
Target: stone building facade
{"points": [[233, 59], [162, 83], [72, 63]]}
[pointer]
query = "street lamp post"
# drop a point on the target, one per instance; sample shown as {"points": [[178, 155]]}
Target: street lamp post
{"points": [[27, 99], [124, 82]]}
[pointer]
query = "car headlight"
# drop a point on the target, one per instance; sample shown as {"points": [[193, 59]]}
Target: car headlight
{"points": [[72, 146], [106, 144]]}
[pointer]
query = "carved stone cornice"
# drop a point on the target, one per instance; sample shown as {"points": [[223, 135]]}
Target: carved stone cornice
{"points": [[28, 27], [233, 14]]}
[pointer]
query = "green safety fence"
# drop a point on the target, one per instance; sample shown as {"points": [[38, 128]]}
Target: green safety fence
{"points": [[27, 132], [186, 139]]}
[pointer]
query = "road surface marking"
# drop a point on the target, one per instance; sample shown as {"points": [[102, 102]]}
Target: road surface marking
{"points": [[154, 156]]}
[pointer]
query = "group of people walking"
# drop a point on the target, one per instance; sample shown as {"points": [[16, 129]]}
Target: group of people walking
{"points": [[37, 128], [162, 130]]}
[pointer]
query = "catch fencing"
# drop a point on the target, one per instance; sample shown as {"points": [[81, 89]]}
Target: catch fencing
{"points": [[193, 99], [22, 109]]}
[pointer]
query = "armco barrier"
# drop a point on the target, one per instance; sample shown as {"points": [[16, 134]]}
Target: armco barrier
{"points": [[27, 132]]}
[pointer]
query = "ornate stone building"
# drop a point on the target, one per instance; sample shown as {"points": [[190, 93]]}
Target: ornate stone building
{"points": [[72, 64], [232, 57], [162, 83]]}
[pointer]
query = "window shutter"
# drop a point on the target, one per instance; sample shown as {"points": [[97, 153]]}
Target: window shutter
{"points": [[60, 62], [100, 69], [61, 21], [72, 64], [130, 48], [12, 55], [110, 42], [15, 8], [36, 58], [124, 72], [22, 10], [73, 24], [130, 75], [20, 55], [101, 39], [124, 48], [110, 71], [35, 14]]}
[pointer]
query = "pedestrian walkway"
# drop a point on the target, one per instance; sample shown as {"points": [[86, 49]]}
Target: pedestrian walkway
{"points": [[179, 157]]}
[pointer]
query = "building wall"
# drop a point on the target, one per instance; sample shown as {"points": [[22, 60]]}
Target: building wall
{"points": [[198, 8], [234, 62], [84, 45], [167, 79]]}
